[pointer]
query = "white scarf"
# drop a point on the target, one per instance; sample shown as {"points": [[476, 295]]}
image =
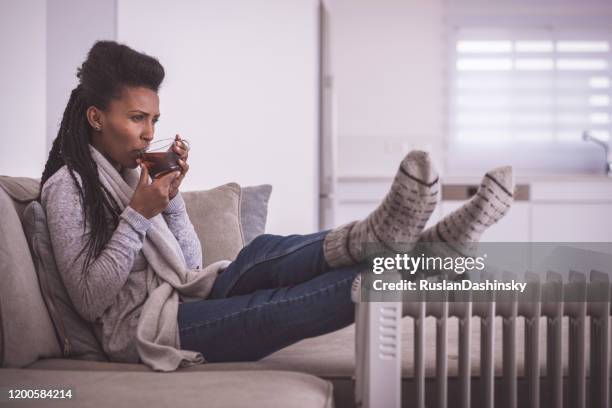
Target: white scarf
{"points": [[157, 336]]}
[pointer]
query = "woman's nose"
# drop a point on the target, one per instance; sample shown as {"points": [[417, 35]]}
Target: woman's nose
{"points": [[148, 132]]}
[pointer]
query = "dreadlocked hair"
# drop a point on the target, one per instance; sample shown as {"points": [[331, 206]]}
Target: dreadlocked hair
{"points": [[108, 69]]}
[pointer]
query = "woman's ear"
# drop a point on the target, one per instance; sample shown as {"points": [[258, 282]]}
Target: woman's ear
{"points": [[94, 117]]}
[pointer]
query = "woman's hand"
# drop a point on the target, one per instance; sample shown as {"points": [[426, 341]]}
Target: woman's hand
{"points": [[151, 199], [180, 148]]}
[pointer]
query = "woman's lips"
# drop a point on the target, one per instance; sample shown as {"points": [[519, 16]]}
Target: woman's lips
{"points": [[141, 150]]}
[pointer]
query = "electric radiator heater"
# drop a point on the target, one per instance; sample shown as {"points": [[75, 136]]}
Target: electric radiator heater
{"points": [[378, 345]]}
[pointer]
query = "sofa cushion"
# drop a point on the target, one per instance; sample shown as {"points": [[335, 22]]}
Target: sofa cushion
{"points": [[215, 215], [22, 190], [227, 217], [76, 335], [26, 328], [272, 389], [254, 210]]}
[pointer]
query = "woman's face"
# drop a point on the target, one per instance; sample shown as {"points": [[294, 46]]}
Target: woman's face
{"points": [[126, 127]]}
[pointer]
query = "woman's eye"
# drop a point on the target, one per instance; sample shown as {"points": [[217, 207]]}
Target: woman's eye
{"points": [[137, 118]]}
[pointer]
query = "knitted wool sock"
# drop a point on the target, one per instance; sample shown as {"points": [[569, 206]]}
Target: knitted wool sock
{"points": [[400, 217], [459, 231]]}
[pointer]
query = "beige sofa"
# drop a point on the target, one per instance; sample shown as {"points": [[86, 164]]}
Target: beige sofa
{"points": [[31, 357], [316, 372]]}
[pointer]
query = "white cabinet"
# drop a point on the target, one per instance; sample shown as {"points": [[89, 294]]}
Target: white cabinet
{"points": [[571, 222], [576, 210]]}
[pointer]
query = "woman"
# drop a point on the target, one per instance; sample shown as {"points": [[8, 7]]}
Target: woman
{"points": [[116, 259]]}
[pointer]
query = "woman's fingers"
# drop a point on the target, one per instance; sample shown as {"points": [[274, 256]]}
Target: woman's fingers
{"points": [[166, 180], [184, 166], [144, 173], [180, 147]]}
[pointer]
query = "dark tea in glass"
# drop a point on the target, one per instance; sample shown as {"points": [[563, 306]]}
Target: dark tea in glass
{"points": [[160, 159]]}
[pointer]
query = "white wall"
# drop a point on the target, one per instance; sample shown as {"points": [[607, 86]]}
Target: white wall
{"points": [[22, 83], [242, 85], [43, 43], [73, 26], [389, 65]]}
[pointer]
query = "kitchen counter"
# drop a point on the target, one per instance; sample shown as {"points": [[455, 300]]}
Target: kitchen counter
{"points": [[544, 188]]}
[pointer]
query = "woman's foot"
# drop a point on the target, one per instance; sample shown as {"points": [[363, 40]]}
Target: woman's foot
{"points": [[400, 217], [460, 230]]}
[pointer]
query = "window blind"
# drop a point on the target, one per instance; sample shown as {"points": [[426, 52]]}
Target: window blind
{"points": [[537, 87]]}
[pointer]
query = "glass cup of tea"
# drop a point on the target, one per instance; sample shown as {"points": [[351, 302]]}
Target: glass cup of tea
{"points": [[159, 157]]}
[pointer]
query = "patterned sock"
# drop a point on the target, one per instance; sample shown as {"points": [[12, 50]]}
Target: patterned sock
{"points": [[461, 230], [400, 217]]}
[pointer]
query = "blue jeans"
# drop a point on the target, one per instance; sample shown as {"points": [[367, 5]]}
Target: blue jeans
{"points": [[278, 291]]}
